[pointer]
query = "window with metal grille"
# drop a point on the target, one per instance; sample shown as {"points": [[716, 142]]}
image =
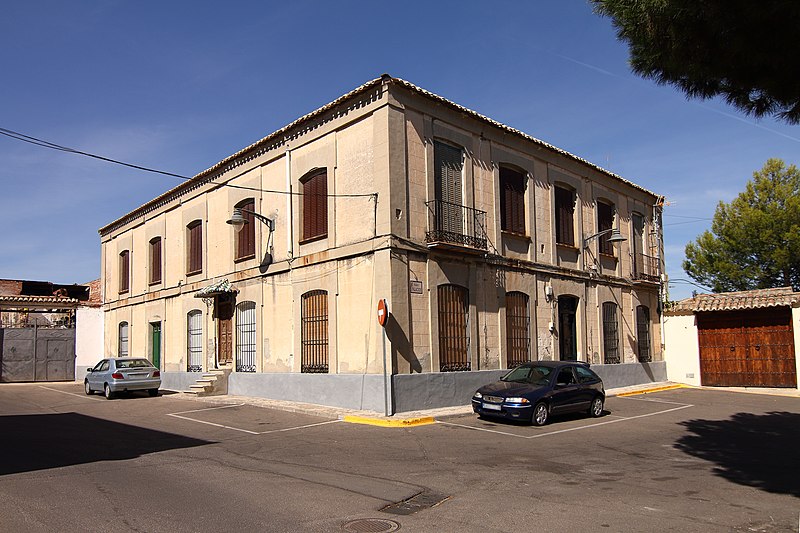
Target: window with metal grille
{"points": [[246, 337], [194, 341], [124, 271], [453, 328], [194, 250], [605, 222], [565, 213], [518, 338], [610, 334], [512, 200], [315, 205], [314, 336], [643, 333], [123, 339], [246, 235], [155, 260]]}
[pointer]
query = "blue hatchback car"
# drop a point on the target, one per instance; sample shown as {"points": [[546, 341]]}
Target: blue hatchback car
{"points": [[533, 391]]}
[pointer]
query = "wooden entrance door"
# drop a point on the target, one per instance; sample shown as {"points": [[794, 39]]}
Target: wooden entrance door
{"points": [[752, 348], [224, 310]]}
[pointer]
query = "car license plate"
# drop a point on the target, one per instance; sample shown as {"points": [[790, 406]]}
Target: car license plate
{"points": [[491, 407]]}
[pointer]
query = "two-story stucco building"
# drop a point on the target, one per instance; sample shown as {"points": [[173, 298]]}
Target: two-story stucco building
{"points": [[490, 247]]}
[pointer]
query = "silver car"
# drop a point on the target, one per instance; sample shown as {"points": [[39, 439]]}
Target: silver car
{"points": [[119, 374]]}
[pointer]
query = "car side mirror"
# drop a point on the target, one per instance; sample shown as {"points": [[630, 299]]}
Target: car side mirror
{"points": [[89, 369]]}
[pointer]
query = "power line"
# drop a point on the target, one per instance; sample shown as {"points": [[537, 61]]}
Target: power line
{"points": [[53, 146]]}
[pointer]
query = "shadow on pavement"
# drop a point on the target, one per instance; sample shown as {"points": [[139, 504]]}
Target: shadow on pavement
{"points": [[754, 450], [40, 442]]}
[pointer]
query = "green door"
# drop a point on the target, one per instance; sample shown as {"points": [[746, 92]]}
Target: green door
{"points": [[155, 328]]}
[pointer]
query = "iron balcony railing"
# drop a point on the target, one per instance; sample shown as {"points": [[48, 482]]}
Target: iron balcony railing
{"points": [[455, 224], [645, 267]]}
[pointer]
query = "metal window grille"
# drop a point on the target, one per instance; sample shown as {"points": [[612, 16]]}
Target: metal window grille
{"points": [[124, 271], [194, 334], [314, 336], [155, 260], [315, 205], [246, 236], [643, 333], [453, 328], [123, 339], [512, 200], [610, 334], [246, 337], [518, 340], [565, 212]]}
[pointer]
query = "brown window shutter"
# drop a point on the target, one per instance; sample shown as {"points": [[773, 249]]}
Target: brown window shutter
{"points": [[195, 252], [315, 206], [605, 222], [155, 260], [565, 210], [124, 271], [246, 237]]}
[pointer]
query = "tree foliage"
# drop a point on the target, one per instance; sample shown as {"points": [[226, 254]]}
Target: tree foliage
{"points": [[745, 51], [754, 242]]}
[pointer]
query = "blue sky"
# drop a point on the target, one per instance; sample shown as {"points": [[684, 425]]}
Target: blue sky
{"points": [[178, 86]]}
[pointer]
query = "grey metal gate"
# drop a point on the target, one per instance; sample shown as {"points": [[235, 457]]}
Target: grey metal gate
{"points": [[37, 354]]}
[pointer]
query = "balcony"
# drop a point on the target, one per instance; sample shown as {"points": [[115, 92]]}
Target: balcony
{"points": [[645, 268], [455, 226]]}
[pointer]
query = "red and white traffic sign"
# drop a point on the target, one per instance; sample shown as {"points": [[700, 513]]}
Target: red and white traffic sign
{"points": [[383, 312]]}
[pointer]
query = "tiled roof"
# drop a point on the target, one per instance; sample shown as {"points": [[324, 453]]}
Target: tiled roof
{"points": [[213, 171], [735, 301], [39, 300]]}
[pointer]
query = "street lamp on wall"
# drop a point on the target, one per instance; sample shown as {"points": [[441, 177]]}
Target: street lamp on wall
{"points": [[238, 221], [616, 236]]}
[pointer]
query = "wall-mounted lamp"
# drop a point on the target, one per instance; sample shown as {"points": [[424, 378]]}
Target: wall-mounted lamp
{"points": [[238, 221], [616, 236]]}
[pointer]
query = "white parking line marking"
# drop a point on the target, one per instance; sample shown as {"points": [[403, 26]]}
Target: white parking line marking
{"points": [[84, 396], [621, 419], [178, 415]]}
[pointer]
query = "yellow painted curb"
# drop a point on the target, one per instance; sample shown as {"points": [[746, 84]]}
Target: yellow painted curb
{"points": [[654, 389], [404, 423]]}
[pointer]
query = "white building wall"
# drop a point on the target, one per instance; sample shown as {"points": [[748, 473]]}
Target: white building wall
{"points": [[88, 339], [682, 349]]}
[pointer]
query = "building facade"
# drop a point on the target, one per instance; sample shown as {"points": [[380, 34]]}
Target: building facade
{"points": [[490, 247]]}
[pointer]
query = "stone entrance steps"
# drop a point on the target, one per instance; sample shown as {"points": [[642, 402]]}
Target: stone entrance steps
{"points": [[212, 383]]}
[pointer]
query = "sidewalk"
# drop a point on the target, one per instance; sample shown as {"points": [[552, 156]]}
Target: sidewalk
{"points": [[429, 416]]}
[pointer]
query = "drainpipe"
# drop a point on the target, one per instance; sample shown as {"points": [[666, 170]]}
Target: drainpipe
{"points": [[289, 205]]}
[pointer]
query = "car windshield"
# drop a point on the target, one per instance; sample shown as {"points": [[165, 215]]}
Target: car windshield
{"points": [[535, 375], [134, 363]]}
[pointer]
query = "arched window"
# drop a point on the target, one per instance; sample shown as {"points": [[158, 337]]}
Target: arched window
{"points": [[246, 337], [453, 328], [124, 271], [314, 336], [565, 215], [155, 260], [194, 341], [512, 200], [315, 204], [246, 235], [605, 222], [643, 334], [194, 247], [518, 337], [123, 340], [610, 334]]}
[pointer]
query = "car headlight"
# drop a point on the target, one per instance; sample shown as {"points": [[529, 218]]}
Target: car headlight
{"points": [[517, 400], [478, 395]]}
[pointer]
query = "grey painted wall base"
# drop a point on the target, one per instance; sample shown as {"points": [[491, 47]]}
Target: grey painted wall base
{"points": [[179, 381], [411, 392]]}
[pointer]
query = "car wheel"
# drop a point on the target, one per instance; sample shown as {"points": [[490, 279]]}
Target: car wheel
{"points": [[107, 392], [596, 407], [540, 414], [153, 392], [86, 388]]}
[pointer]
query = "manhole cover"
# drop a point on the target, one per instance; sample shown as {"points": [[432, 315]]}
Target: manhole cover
{"points": [[371, 525]]}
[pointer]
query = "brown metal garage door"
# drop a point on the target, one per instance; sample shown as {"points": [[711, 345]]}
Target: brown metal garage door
{"points": [[753, 348]]}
